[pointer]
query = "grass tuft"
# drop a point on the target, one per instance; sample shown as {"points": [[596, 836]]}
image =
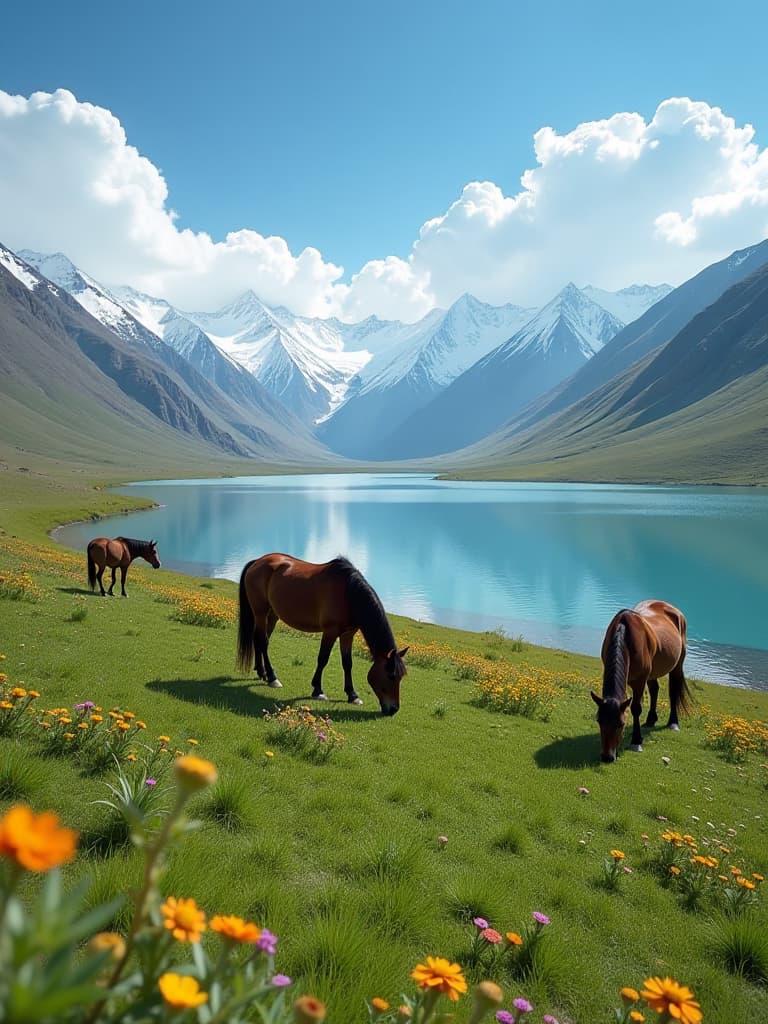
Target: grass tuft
{"points": [[740, 944]]}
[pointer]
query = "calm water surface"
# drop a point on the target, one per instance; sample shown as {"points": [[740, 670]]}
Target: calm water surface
{"points": [[551, 561]]}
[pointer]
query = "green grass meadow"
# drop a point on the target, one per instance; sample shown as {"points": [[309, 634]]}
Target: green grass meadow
{"points": [[339, 856]]}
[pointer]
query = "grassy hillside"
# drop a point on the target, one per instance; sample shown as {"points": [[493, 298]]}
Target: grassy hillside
{"points": [[336, 848]]}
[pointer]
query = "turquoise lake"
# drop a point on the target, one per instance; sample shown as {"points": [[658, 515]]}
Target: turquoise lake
{"points": [[552, 562]]}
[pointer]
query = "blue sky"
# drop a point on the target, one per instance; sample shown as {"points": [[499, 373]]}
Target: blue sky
{"points": [[345, 126]]}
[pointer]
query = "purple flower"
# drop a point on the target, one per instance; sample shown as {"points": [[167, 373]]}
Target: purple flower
{"points": [[504, 1017], [480, 922], [540, 918], [522, 1005], [150, 782], [549, 1019], [87, 705], [281, 980], [322, 737], [267, 942]]}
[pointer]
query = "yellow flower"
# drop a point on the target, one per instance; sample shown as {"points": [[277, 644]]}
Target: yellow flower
{"points": [[108, 941], [636, 1016], [617, 854], [123, 726], [82, 725], [130, 757], [194, 773], [128, 714], [745, 883], [629, 995], [380, 1005], [308, 1010], [140, 725], [18, 691], [235, 928], [758, 878], [36, 842], [183, 918], [69, 735], [665, 995], [7, 704], [181, 991], [164, 739], [514, 939], [439, 973], [486, 996], [268, 753], [193, 742], [33, 693], [97, 718], [674, 869]]}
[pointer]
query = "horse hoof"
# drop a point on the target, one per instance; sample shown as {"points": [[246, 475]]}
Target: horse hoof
{"points": [[319, 696], [674, 727], [275, 684], [637, 747], [356, 700]]}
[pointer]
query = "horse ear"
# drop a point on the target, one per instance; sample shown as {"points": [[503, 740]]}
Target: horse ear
{"points": [[625, 703], [402, 654], [595, 698]]}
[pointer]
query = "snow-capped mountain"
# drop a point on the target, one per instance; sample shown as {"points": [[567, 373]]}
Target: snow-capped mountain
{"points": [[427, 356], [554, 343], [628, 303]]}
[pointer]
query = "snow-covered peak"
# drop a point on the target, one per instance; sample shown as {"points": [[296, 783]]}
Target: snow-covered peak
{"points": [[629, 303], [58, 268], [18, 268], [571, 319]]}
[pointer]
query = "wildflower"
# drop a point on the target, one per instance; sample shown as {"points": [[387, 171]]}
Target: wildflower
{"points": [[6, 704], [164, 739], [403, 1013], [549, 1019], [267, 942], [18, 691], [181, 991], [758, 878], [308, 1010], [282, 980], [485, 997], [442, 841], [193, 743], [235, 928], [82, 725], [665, 995], [665, 760], [140, 725], [69, 735], [150, 782], [522, 1005], [268, 753], [583, 791], [674, 870], [195, 773], [745, 883], [540, 918], [617, 854], [183, 918], [441, 975], [492, 936], [480, 922], [108, 942], [123, 726], [322, 737], [86, 705], [35, 841], [629, 995], [130, 757], [504, 1017], [97, 718], [514, 939], [636, 1016], [379, 1005]]}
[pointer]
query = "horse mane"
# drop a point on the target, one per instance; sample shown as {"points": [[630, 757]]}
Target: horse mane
{"points": [[367, 607], [136, 547], [615, 671]]}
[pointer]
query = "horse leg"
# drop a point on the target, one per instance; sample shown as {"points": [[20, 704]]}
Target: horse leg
{"points": [[636, 707], [263, 636], [99, 575], [112, 584], [345, 646], [653, 690], [123, 574], [676, 687], [326, 644]]}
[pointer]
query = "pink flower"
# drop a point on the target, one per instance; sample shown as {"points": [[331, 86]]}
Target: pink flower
{"points": [[504, 1017], [480, 922], [150, 782], [540, 918], [322, 737], [522, 1005], [281, 980], [549, 1019], [267, 942], [491, 935]]}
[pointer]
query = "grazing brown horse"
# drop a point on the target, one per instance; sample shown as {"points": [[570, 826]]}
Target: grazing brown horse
{"points": [[641, 645], [332, 598], [104, 553]]}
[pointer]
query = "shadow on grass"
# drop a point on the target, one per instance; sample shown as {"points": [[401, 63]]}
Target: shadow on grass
{"points": [[243, 698], [570, 752], [81, 591]]}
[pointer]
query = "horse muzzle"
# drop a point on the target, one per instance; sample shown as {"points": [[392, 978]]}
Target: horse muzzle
{"points": [[389, 709], [607, 758]]}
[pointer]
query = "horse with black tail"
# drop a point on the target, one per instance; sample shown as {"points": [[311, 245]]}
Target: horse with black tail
{"points": [[332, 598], [104, 553], [641, 644]]}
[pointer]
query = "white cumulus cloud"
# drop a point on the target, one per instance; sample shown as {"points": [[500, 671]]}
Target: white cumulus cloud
{"points": [[609, 203]]}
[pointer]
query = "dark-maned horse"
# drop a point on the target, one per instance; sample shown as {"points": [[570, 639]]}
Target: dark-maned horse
{"points": [[641, 645], [104, 553], [332, 598]]}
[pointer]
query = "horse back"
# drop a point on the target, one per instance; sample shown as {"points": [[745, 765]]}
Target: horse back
{"points": [[305, 595], [667, 625]]}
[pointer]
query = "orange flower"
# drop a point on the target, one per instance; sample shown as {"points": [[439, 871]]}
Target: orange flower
{"points": [[180, 991], [36, 842], [665, 995], [636, 1016], [108, 942], [235, 928], [308, 1010], [514, 939], [195, 772], [629, 995], [380, 1005], [184, 918], [442, 975]]}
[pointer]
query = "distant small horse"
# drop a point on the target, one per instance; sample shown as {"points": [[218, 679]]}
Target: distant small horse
{"points": [[640, 646], [104, 553], [332, 598]]}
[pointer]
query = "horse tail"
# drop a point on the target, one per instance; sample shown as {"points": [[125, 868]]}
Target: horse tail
{"points": [[615, 670], [245, 645], [91, 570], [679, 692]]}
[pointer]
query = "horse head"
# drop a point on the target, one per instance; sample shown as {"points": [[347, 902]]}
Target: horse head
{"points": [[151, 555], [384, 678], [611, 717]]}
